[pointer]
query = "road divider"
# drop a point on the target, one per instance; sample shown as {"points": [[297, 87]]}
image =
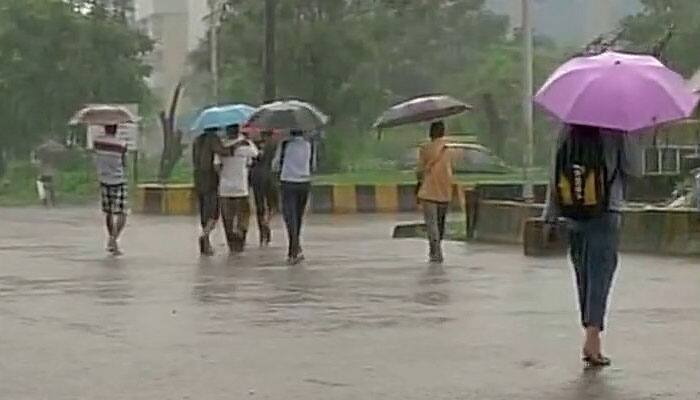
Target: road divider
{"points": [[181, 199]]}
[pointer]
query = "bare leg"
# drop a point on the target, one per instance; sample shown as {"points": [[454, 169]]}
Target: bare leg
{"points": [[121, 223], [117, 230], [204, 240], [111, 242], [209, 227], [109, 222], [209, 215], [592, 345]]}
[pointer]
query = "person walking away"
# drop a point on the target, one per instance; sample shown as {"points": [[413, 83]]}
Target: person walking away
{"points": [[206, 182], [434, 173], [264, 188], [234, 187], [110, 160], [45, 164], [587, 188], [294, 161]]}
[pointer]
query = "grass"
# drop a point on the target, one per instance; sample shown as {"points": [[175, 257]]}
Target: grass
{"points": [[76, 182], [407, 177]]}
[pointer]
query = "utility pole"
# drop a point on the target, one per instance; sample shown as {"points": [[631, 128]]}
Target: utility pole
{"points": [[270, 88], [528, 159], [214, 10]]}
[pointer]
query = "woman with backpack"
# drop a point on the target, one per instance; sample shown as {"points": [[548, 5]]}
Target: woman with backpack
{"points": [[587, 189]]}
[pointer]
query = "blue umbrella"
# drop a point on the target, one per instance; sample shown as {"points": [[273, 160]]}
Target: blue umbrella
{"points": [[221, 117]]}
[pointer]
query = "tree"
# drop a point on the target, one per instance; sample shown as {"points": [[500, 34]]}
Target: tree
{"points": [[354, 58], [648, 27], [270, 90], [56, 56], [172, 137]]}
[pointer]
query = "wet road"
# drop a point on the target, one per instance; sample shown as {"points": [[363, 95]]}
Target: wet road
{"points": [[365, 318]]}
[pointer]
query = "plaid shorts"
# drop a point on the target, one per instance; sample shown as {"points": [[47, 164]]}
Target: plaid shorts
{"points": [[114, 198]]}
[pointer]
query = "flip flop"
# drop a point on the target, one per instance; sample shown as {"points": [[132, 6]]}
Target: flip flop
{"points": [[597, 361]]}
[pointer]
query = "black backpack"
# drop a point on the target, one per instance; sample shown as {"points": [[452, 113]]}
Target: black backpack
{"points": [[582, 185]]}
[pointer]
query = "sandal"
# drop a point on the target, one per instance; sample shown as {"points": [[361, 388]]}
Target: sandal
{"points": [[597, 361]]}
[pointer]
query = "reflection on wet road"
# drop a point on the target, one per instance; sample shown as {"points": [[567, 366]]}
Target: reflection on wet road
{"points": [[365, 317]]}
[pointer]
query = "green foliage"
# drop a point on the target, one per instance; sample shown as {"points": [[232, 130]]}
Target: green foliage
{"points": [[355, 58], [57, 55], [648, 27], [75, 181], [407, 177]]}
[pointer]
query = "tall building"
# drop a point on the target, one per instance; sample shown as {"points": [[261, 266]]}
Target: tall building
{"points": [[167, 23], [177, 27]]}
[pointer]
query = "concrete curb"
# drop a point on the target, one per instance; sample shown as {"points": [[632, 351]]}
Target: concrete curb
{"points": [[652, 231], [672, 232], [325, 199]]}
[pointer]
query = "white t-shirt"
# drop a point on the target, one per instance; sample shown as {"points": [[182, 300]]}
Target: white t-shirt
{"points": [[234, 170]]}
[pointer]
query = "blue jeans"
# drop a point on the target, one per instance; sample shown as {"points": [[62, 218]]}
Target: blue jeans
{"points": [[594, 246]]}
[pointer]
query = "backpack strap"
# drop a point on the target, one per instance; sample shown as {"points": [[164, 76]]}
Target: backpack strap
{"points": [[433, 162], [618, 166], [283, 150], [311, 159]]}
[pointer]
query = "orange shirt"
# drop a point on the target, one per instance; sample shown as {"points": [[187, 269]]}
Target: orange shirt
{"points": [[435, 164]]}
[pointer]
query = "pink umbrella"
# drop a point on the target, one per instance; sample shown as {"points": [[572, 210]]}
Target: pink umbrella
{"points": [[618, 91]]}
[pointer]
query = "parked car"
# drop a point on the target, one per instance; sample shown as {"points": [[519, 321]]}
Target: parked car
{"points": [[466, 158]]}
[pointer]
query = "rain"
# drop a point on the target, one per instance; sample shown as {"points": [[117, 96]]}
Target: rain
{"points": [[349, 199]]}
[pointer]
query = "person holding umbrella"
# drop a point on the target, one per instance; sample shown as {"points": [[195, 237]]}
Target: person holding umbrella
{"points": [[110, 159], [234, 187], [294, 161], [205, 148], [206, 183], [434, 169], [46, 157], [434, 173], [587, 183], [264, 188], [606, 101]]}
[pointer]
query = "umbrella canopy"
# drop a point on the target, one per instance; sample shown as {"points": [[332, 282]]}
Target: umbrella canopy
{"points": [[617, 91], [421, 109], [103, 115], [52, 151], [222, 116], [288, 114]]}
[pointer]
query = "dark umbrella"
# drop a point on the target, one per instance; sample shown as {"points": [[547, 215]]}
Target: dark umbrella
{"points": [[289, 114], [52, 152], [421, 109]]}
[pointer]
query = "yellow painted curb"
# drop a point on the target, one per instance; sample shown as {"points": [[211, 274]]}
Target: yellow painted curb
{"points": [[178, 201], [344, 199], [386, 198]]}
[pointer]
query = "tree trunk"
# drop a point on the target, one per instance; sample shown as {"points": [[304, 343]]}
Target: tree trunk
{"points": [[270, 90], [3, 162], [172, 138]]}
